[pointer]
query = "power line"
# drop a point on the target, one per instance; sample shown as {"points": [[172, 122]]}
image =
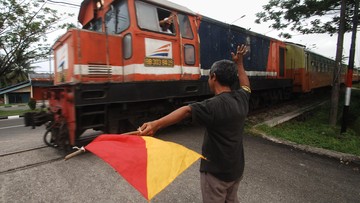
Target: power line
{"points": [[62, 2]]}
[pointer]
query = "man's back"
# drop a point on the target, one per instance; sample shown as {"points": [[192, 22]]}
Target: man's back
{"points": [[224, 117]]}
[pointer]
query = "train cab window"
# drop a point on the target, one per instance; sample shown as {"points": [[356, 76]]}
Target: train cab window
{"points": [[117, 18], [185, 27], [317, 67], [189, 51], [312, 65], [149, 18], [94, 25]]}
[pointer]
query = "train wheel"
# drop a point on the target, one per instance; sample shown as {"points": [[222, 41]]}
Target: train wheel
{"points": [[49, 137], [63, 137]]}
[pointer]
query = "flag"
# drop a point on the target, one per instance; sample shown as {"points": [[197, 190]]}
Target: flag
{"points": [[147, 163]]}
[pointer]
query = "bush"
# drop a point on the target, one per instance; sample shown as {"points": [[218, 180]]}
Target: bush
{"points": [[32, 103], [356, 126]]}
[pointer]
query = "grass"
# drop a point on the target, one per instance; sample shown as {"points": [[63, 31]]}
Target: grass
{"points": [[6, 111], [14, 112], [313, 129], [17, 104]]}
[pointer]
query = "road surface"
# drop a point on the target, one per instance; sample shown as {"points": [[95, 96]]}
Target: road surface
{"points": [[273, 173]]}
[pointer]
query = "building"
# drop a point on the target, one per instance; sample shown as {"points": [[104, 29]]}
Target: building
{"points": [[33, 88]]}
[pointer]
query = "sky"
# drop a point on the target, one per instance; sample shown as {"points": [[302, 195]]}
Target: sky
{"points": [[239, 13]]}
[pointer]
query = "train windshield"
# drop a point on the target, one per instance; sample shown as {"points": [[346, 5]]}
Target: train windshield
{"points": [[117, 18]]}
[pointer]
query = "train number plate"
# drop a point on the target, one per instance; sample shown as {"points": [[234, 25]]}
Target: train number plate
{"points": [[159, 62]]}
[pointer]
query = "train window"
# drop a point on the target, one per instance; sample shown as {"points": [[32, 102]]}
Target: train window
{"points": [[189, 51], [94, 25], [149, 17], [312, 65], [317, 66], [185, 27], [127, 46], [117, 18]]}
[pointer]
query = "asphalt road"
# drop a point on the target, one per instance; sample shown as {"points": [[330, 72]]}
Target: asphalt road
{"points": [[273, 173]]}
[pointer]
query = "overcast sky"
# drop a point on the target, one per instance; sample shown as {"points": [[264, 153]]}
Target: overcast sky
{"points": [[230, 11]]}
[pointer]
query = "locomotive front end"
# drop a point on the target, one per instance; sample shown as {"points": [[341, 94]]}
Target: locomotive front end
{"points": [[121, 68]]}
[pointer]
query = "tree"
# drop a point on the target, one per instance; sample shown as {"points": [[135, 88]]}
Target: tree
{"points": [[17, 74], [23, 28], [306, 17], [309, 17]]}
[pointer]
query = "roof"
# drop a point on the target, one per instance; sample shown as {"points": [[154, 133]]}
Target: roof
{"points": [[165, 3], [41, 77], [35, 79], [15, 87], [172, 5]]}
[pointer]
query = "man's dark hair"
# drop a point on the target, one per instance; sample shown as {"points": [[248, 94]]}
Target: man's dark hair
{"points": [[225, 71]]}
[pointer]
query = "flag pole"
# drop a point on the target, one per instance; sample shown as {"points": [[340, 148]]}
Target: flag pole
{"points": [[82, 149], [77, 152]]}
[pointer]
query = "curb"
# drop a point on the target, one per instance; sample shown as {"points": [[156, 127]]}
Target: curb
{"points": [[342, 157], [11, 117], [16, 105]]}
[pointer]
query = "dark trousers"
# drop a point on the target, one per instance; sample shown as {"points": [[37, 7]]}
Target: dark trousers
{"points": [[218, 191]]}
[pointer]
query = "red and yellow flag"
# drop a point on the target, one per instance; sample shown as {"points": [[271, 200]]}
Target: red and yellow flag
{"points": [[147, 163]]}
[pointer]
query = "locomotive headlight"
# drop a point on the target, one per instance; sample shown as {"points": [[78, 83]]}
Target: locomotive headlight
{"points": [[127, 46]]}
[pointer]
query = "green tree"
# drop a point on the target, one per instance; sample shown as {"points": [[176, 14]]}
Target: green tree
{"points": [[17, 74], [310, 17], [306, 17], [24, 25]]}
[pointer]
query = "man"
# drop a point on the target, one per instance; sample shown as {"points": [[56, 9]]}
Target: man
{"points": [[165, 25], [223, 116]]}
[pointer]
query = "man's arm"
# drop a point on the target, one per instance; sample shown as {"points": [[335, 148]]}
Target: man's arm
{"points": [[176, 116], [238, 59], [167, 20]]}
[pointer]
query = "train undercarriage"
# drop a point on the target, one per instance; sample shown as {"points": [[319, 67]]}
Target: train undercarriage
{"points": [[122, 107]]}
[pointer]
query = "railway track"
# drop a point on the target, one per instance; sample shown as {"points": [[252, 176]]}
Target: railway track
{"points": [[31, 165], [22, 151], [266, 113], [28, 158]]}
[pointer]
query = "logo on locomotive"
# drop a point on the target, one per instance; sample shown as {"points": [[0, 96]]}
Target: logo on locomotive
{"points": [[158, 53], [62, 62]]}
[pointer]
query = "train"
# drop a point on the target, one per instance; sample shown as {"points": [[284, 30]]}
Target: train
{"points": [[121, 69]]}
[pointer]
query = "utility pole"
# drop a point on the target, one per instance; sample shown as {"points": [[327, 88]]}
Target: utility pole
{"points": [[337, 69], [350, 68]]}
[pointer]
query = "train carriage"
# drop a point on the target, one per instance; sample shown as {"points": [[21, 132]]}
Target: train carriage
{"points": [[309, 70]]}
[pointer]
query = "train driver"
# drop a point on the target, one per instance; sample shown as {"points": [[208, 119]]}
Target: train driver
{"points": [[165, 24]]}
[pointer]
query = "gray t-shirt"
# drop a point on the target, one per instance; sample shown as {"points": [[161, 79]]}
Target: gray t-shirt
{"points": [[224, 117]]}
